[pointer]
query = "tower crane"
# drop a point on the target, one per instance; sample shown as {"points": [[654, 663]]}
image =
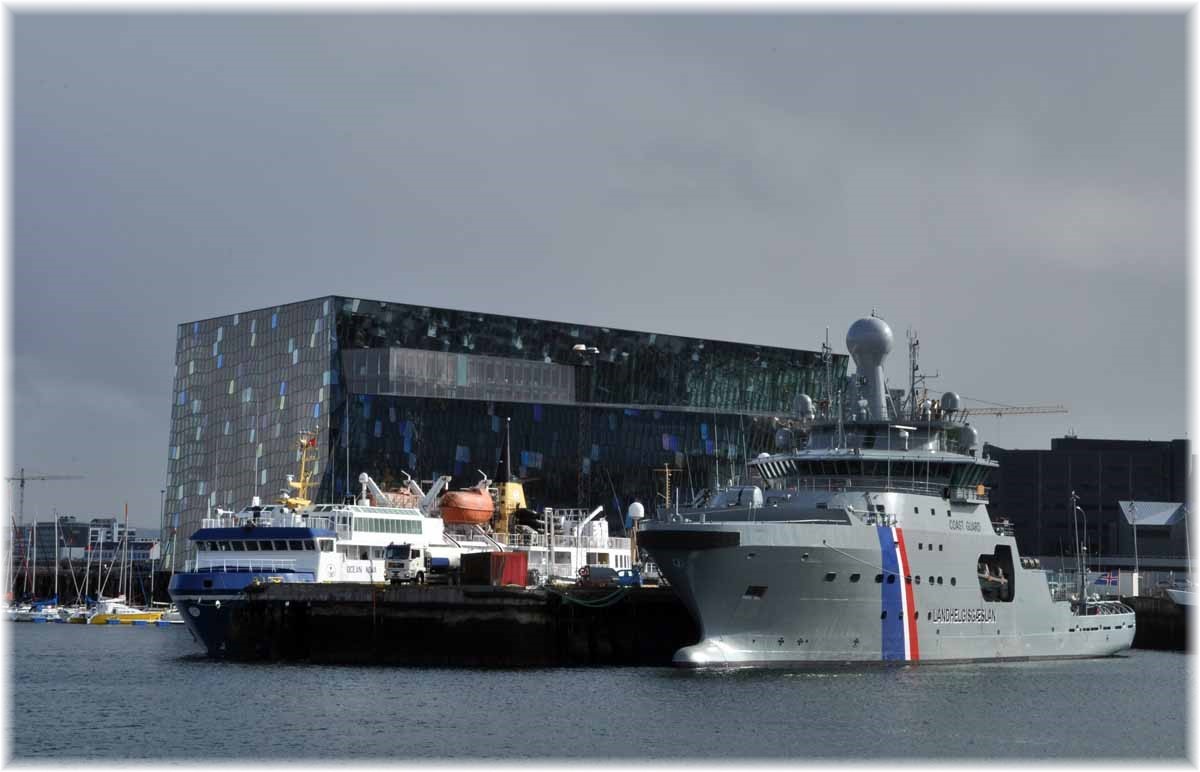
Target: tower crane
{"points": [[999, 410], [22, 477]]}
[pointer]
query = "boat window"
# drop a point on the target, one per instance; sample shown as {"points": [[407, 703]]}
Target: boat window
{"points": [[326, 545], [294, 544], [226, 546], [308, 544], [280, 544], [891, 579], [917, 579], [855, 577], [953, 581], [755, 591], [916, 510], [939, 580], [238, 545], [908, 579], [932, 511], [878, 507], [878, 578], [265, 544], [829, 577], [251, 545], [920, 545], [883, 614], [939, 548]]}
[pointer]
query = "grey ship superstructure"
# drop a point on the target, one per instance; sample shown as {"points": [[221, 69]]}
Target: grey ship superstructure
{"points": [[870, 541]]}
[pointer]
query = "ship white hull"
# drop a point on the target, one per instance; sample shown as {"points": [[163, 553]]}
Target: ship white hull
{"points": [[792, 593]]}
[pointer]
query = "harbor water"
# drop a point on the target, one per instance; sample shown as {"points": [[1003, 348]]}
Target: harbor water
{"points": [[111, 693]]}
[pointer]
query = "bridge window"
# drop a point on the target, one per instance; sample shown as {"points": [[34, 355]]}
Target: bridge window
{"points": [[326, 545], [251, 545], [280, 544], [308, 545], [294, 544], [238, 545]]}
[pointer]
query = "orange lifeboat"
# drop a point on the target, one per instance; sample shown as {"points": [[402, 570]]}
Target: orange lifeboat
{"points": [[472, 507]]}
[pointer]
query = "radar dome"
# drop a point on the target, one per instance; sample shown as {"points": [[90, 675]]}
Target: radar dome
{"points": [[636, 511], [804, 406], [949, 402], [869, 337], [869, 340], [967, 436]]}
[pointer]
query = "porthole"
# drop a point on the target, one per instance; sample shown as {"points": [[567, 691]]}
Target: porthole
{"points": [[883, 615], [804, 556], [917, 579], [891, 579], [908, 579], [829, 577], [932, 511], [953, 581], [916, 510], [939, 548], [855, 577], [878, 578], [939, 580], [920, 545]]}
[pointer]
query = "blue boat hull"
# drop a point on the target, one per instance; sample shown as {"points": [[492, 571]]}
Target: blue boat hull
{"points": [[206, 601]]}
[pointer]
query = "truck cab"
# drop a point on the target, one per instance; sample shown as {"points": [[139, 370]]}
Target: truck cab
{"points": [[404, 563]]}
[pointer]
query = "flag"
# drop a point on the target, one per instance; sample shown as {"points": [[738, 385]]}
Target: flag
{"points": [[312, 442], [1110, 579]]}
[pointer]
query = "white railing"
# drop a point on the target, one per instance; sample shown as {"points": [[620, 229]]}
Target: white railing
{"points": [[241, 564], [282, 520], [565, 542]]}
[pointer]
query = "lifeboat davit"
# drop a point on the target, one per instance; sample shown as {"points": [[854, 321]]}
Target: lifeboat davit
{"points": [[472, 507]]}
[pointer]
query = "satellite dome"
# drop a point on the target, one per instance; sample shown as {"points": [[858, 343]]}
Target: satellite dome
{"points": [[804, 406], [869, 338], [763, 455], [949, 402], [636, 511], [967, 436]]}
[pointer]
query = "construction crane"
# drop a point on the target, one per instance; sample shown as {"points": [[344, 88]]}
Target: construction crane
{"points": [[22, 477], [999, 410]]}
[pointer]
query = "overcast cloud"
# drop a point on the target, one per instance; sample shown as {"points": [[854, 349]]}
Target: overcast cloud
{"points": [[1011, 186]]}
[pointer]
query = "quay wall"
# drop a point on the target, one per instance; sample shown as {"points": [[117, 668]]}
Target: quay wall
{"points": [[459, 625]]}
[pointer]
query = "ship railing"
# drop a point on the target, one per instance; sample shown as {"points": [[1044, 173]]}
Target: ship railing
{"points": [[565, 542], [241, 564], [1003, 528], [835, 484]]}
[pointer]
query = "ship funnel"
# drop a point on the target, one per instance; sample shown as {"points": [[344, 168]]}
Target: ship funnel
{"points": [[869, 341]]}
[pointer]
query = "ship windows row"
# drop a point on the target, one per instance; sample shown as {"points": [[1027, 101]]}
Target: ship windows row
{"points": [[257, 545], [386, 525], [891, 579]]}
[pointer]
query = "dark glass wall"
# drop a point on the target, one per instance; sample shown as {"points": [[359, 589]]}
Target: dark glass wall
{"points": [[569, 455], [424, 390], [246, 386]]}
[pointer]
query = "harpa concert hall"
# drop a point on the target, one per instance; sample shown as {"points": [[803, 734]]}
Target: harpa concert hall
{"points": [[392, 388]]}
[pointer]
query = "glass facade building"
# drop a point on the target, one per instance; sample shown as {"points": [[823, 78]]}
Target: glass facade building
{"points": [[392, 388]]}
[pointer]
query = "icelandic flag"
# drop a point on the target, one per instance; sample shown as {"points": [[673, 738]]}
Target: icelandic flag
{"points": [[1109, 579]]}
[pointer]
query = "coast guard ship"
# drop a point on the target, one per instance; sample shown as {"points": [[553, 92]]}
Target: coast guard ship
{"points": [[871, 542]]}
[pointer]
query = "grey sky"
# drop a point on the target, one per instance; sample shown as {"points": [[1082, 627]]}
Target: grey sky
{"points": [[1011, 186]]}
